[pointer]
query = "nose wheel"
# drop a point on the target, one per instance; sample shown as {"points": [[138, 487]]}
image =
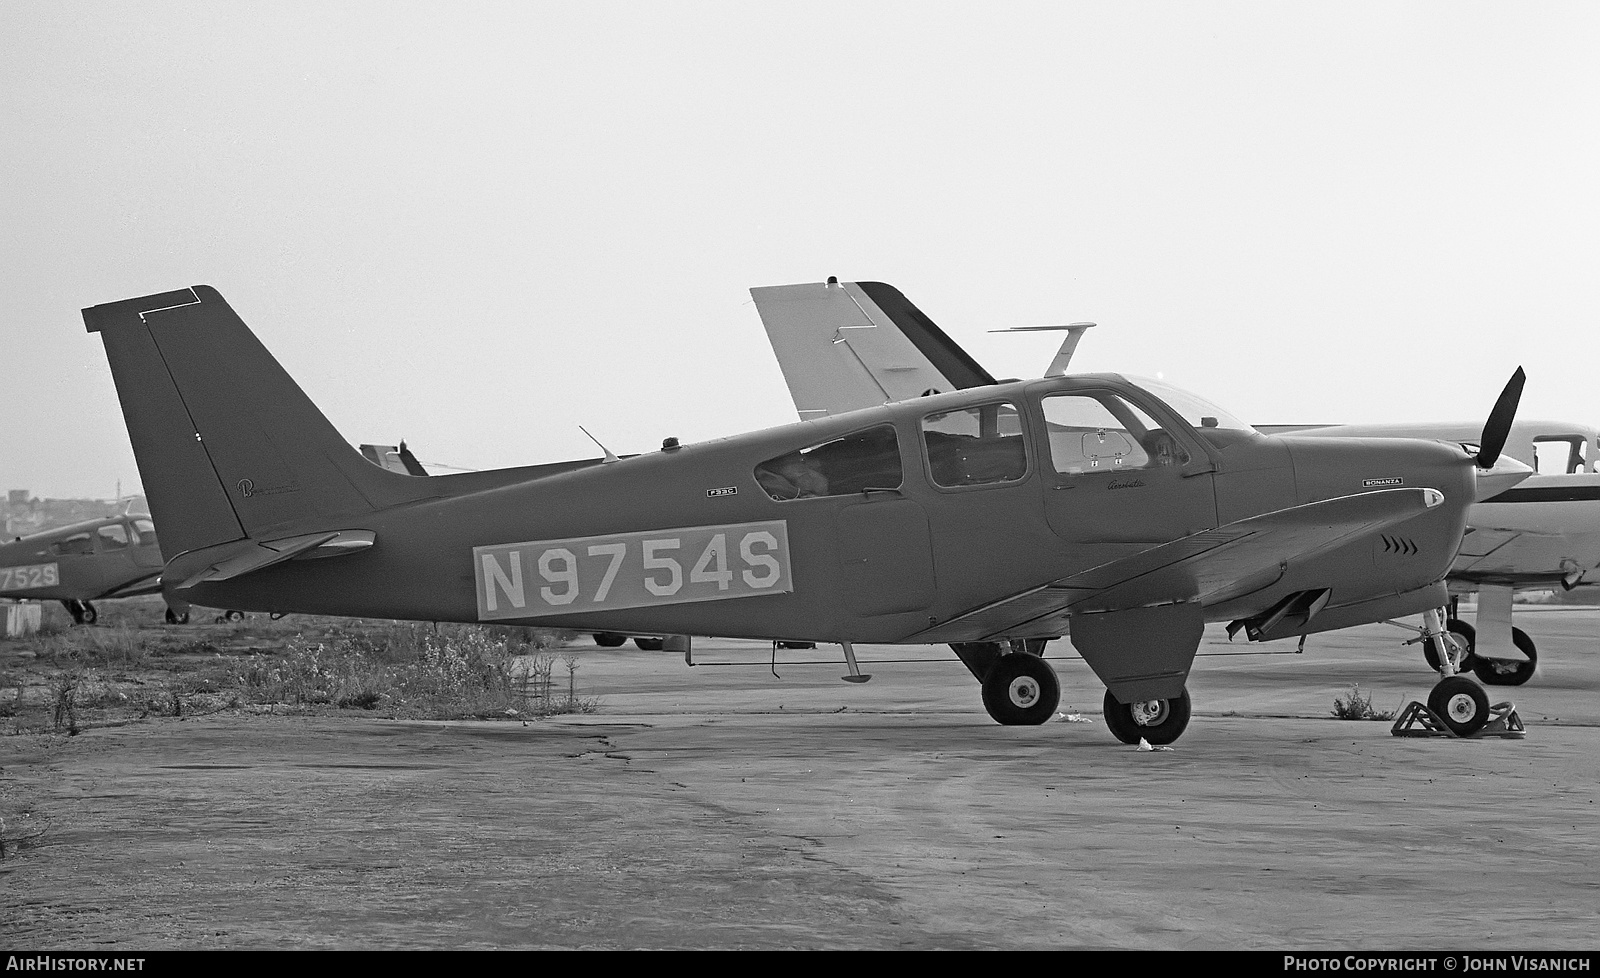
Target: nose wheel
{"points": [[1021, 690], [1461, 704]]}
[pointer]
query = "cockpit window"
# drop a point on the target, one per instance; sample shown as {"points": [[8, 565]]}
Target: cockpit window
{"points": [[78, 543], [868, 459], [113, 537], [1097, 431], [975, 446], [1193, 408], [1559, 454]]}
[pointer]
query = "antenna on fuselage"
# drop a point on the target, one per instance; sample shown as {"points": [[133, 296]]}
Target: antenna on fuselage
{"points": [[610, 455]]}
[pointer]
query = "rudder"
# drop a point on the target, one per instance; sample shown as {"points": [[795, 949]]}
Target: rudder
{"points": [[228, 445]]}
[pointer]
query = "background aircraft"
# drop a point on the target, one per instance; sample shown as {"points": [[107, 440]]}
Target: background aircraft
{"points": [[113, 557], [843, 346], [983, 518]]}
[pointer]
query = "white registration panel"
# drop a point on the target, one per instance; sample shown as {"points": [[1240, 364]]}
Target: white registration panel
{"points": [[29, 576], [632, 570]]}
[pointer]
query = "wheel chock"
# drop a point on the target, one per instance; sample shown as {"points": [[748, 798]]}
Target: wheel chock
{"points": [[1416, 720]]}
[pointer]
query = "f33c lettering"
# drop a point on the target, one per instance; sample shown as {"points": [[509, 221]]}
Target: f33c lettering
{"points": [[631, 570]]}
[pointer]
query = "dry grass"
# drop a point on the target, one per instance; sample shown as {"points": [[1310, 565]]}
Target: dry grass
{"points": [[132, 665]]}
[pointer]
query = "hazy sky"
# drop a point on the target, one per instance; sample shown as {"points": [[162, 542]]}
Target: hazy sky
{"points": [[476, 226]]}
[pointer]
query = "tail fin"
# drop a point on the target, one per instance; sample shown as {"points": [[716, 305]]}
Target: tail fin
{"points": [[228, 445], [844, 346]]}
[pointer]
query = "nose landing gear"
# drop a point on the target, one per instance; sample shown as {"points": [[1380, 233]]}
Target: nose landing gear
{"points": [[1456, 705]]}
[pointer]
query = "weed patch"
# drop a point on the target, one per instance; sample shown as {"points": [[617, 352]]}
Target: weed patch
{"points": [[134, 665], [1358, 707]]}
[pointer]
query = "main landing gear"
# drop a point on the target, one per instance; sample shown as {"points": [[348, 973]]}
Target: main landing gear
{"points": [[1020, 689], [1508, 672], [1157, 721], [1494, 614], [82, 612]]}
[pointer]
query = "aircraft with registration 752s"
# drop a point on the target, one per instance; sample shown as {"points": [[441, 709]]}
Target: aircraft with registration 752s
{"points": [[987, 518]]}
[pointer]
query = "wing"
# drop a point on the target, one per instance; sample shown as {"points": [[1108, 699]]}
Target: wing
{"points": [[1546, 530], [851, 345], [1203, 568]]}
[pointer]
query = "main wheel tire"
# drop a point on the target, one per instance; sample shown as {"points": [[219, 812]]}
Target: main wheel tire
{"points": [[609, 640], [233, 616], [1021, 690], [1157, 721], [1463, 633], [173, 618], [90, 616], [1461, 704], [649, 644], [1508, 672]]}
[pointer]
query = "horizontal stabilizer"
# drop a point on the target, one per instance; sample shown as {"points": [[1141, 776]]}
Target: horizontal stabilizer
{"points": [[242, 557]]}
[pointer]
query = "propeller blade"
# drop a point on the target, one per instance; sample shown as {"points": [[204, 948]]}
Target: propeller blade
{"points": [[1498, 428]]}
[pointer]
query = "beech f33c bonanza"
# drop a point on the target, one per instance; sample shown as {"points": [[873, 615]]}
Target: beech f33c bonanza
{"points": [[852, 344], [113, 557], [983, 518]]}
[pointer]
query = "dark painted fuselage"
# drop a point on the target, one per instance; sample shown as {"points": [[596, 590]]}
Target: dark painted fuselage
{"points": [[882, 564]]}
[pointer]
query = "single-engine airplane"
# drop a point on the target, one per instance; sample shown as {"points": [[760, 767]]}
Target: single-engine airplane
{"points": [[112, 557], [983, 518], [847, 345]]}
